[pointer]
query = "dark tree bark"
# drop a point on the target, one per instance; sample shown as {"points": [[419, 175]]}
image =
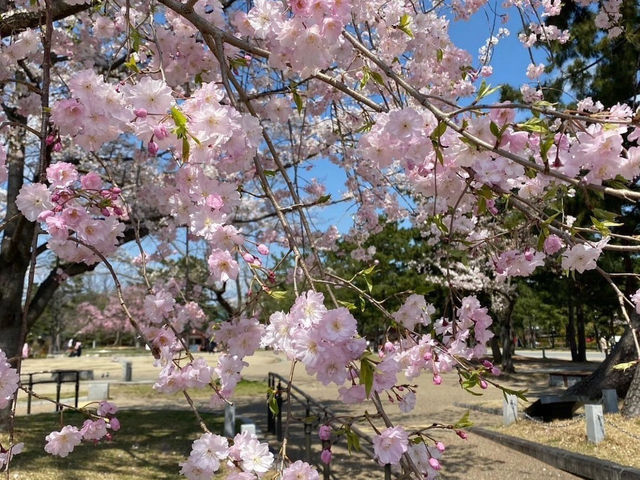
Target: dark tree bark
{"points": [[571, 330], [13, 22], [495, 350], [582, 339], [631, 406], [605, 376]]}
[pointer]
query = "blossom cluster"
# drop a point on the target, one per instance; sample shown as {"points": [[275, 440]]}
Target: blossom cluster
{"points": [[63, 442], [75, 204], [325, 341], [246, 459]]}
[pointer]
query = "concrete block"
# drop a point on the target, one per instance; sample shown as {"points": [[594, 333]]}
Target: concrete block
{"points": [[127, 371], [509, 409], [248, 427], [595, 423], [230, 420], [610, 400], [98, 392]]}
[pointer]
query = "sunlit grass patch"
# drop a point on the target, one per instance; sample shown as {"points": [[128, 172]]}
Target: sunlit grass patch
{"points": [[148, 446]]}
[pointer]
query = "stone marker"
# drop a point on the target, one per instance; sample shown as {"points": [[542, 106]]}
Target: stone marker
{"points": [[127, 371], [610, 400], [509, 409], [98, 392], [248, 427], [595, 423], [229, 420]]}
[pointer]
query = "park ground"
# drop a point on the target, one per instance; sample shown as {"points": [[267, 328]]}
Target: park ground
{"points": [[446, 403]]}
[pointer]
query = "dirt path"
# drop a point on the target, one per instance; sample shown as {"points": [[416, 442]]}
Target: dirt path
{"points": [[475, 457]]}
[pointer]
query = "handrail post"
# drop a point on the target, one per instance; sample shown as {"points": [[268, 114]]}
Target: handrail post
{"points": [[58, 386], [279, 415], [387, 471], [29, 394], [78, 386], [307, 432], [270, 422], [326, 471]]}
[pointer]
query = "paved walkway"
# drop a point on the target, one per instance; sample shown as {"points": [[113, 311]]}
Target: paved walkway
{"points": [[475, 457]]}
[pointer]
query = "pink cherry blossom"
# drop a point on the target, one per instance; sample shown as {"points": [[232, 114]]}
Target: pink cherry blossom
{"points": [[390, 445], [222, 266], [300, 470], [63, 442], [33, 199]]}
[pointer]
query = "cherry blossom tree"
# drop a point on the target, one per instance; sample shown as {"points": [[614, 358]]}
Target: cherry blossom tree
{"points": [[154, 122]]}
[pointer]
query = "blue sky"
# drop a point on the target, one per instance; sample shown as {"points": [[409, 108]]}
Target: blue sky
{"points": [[510, 60]]}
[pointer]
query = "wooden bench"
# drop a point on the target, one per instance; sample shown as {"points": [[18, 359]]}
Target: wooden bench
{"points": [[566, 377]]}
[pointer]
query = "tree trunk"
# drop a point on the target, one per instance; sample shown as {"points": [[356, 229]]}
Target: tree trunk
{"points": [[605, 376], [582, 339], [571, 331], [631, 406], [508, 347], [495, 350]]}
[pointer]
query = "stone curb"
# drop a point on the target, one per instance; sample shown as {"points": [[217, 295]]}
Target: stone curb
{"points": [[574, 463]]}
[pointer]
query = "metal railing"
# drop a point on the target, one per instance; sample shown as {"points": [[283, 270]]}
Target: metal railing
{"points": [[56, 376], [312, 409]]}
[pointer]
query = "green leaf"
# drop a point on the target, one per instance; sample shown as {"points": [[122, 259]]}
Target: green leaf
{"points": [[404, 25], [604, 214], [366, 375], [297, 99], [486, 90], [464, 422], [366, 74], [179, 118], [136, 39], [439, 55], [186, 150], [131, 64], [366, 127], [369, 284], [353, 441], [269, 173], [495, 130], [377, 78], [348, 305], [277, 294], [273, 403], [518, 393], [438, 131], [625, 366], [534, 125], [369, 271]]}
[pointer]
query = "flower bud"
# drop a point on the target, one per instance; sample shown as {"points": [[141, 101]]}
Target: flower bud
{"points": [[263, 249], [440, 446], [153, 148], [160, 132], [324, 432], [434, 463], [325, 456], [140, 113], [437, 379]]}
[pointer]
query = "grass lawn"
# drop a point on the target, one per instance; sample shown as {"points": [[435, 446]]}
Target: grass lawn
{"points": [[148, 446], [620, 444], [245, 388]]}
